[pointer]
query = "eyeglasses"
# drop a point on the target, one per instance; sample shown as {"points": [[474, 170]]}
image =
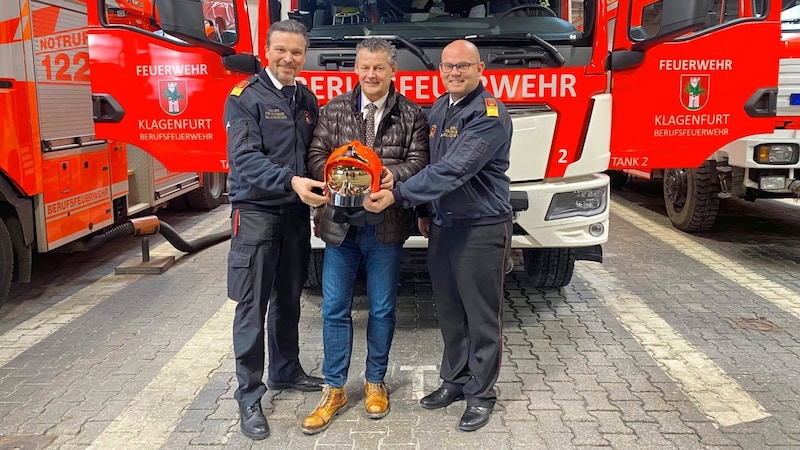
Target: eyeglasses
{"points": [[462, 67]]}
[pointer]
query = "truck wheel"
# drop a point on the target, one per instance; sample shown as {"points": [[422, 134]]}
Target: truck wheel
{"points": [[314, 280], [691, 197], [6, 261], [549, 267], [210, 195]]}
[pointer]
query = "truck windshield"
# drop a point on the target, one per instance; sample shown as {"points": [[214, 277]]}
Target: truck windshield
{"points": [[555, 21]]}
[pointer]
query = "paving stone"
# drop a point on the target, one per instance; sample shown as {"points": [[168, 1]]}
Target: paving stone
{"points": [[573, 375], [587, 434]]}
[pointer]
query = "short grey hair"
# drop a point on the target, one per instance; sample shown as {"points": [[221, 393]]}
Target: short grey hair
{"points": [[288, 26], [374, 45]]}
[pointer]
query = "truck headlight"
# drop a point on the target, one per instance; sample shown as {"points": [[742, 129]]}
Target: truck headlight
{"points": [[585, 203], [776, 153], [772, 183]]}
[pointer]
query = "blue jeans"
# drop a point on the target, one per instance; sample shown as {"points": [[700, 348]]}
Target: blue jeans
{"points": [[338, 279]]}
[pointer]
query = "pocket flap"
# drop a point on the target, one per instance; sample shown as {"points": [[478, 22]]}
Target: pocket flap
{"points": [[239, 259]]}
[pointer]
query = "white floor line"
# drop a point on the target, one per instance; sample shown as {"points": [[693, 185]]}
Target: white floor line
{"points": [[152, 415], [705, 383], [760, 285], [29, 333]]}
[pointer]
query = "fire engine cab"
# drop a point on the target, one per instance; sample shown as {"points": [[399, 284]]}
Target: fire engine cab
{"points": [[571, 96], [59, 181], [762, 165]]}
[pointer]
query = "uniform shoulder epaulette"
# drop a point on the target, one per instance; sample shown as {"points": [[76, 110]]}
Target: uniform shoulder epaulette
{"points": [[240, 86], [491, 107]]}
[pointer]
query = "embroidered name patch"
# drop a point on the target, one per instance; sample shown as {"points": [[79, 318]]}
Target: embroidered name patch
{"points": [[451, 132], [275, 114]]}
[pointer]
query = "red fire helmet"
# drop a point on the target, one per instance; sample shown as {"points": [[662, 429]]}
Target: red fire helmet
{"points": [[352, 171]]}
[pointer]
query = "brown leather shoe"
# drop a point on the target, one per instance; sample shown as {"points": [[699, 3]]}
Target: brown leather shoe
{"points": [[332, 402], [377, 400]]}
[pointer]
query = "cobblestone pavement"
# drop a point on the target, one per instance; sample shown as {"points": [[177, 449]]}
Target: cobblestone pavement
{"points": [[675, 341]]}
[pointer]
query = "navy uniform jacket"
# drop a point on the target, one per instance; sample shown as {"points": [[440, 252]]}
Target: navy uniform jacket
{"points": [[469, 157], [267, 142]]}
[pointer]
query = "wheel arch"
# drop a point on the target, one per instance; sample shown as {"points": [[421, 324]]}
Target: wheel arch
{"points": [[13, 203]]}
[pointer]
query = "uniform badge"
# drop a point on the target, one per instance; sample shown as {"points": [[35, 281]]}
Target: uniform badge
{"points": [[307, 116], [451, 132], [275, 114], [237, 90], [491, 108], [433, 132]]}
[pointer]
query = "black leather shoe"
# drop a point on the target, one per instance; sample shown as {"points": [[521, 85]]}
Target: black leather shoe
{"points": [[441, 398], [475, 417], [305, 383], [252, 422]]}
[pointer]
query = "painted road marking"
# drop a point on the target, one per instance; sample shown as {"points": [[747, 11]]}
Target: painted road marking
{"points": [[29, 333], [418, 379], [714, 393], [771, 291], [175, 387]]}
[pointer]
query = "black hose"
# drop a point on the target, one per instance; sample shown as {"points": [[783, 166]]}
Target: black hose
{"points": [[123, 229], [173, 238], [169, 233]]}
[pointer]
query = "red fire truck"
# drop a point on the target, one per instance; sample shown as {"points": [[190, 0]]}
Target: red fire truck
{"points": [[59, 181], [549, 61], [763, 165]]}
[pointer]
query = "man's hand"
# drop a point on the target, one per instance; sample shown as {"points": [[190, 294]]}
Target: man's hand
{"points": [[378, 201], [387, 179], [424, 225], [303, 187]]}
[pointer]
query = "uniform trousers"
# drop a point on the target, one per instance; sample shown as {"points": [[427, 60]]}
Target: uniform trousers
{"points": [[267, 267], [467, 270]]}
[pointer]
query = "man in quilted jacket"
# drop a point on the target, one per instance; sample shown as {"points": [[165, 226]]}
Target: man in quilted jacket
{"points": [[396, 129]]}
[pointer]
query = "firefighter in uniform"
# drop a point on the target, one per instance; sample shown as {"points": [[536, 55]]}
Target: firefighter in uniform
{"points": [[468, 194], [270, 120]]}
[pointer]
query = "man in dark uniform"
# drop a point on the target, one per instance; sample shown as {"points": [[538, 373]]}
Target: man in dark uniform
{"points": [[270, 119], [469, 197]]}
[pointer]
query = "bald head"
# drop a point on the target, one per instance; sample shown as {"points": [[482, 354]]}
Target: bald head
{"points": [[463, 48], [459, 82]]}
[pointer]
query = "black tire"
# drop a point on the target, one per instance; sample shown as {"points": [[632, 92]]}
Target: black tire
{"points": [[6, 261], [549, 267], [618, 179], [209, 196], [692, 197], [23, 256], [314, 280]]}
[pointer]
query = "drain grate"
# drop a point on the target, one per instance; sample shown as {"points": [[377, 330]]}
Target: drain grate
{"points": [[758, 324]]}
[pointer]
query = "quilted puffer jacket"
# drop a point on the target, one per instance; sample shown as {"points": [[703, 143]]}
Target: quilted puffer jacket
{"points": [[401, 141]]}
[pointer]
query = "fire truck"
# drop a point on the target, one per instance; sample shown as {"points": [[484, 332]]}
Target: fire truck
{"points": [[59, 181], [556, 64], [763, 165]]}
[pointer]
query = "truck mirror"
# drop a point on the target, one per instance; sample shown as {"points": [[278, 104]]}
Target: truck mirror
{"points": [[242, 62], [185, 19]]}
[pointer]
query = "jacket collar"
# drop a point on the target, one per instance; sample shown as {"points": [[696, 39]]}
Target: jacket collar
{"points": [[355, 96], [469, 97]]}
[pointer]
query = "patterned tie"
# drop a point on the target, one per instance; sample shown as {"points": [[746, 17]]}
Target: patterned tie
{"points": [[369, 125], [288, 92]]}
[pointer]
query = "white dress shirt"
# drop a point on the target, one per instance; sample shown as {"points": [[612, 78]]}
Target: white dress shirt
{"points": [[380, 103]]}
